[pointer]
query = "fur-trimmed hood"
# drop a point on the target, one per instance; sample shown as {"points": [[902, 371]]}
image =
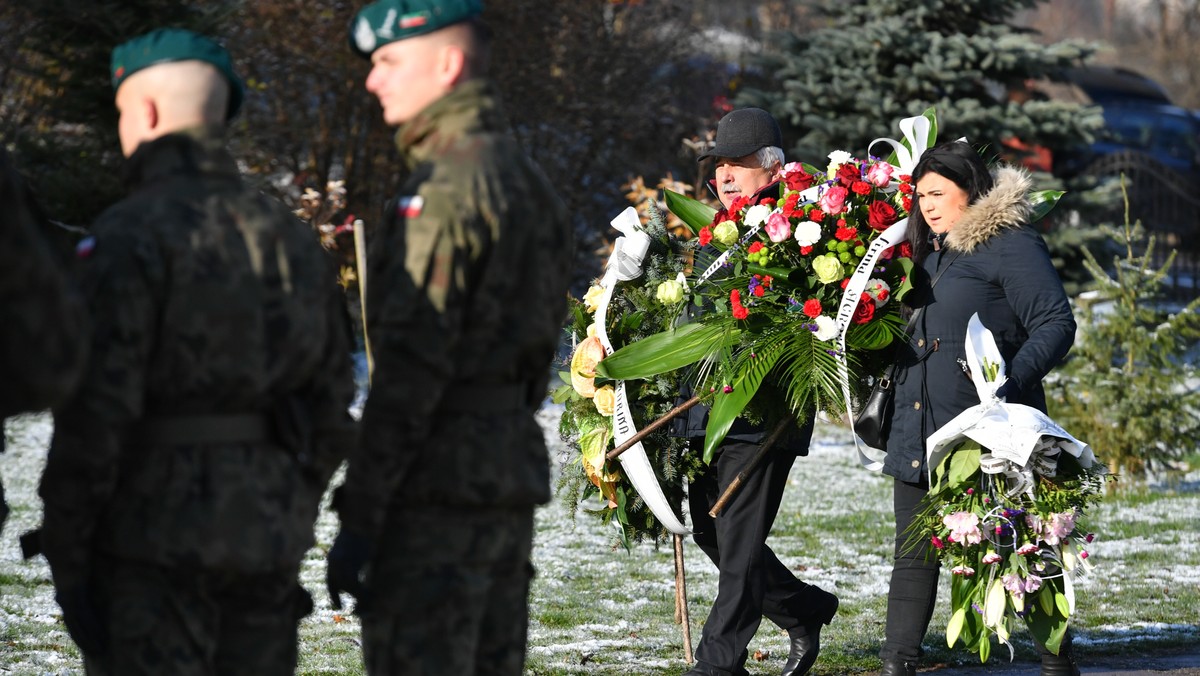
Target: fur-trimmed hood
{"points": [[1005, 206]]}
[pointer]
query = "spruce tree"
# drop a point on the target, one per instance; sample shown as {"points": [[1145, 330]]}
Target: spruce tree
{"points": [[883, 60], [1128, 388]]}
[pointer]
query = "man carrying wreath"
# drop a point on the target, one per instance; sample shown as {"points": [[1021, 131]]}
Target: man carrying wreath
{"points": [[752, 582]]}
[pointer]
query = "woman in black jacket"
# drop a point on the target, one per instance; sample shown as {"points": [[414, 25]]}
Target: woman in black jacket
{"points": [[970, 227]]}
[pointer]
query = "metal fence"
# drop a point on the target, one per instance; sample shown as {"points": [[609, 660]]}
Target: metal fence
{"points": [[1168, 205]]}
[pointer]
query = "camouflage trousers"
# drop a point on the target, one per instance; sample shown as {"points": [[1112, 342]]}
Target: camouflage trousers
{"points": [[197, 623], [448, 594]]}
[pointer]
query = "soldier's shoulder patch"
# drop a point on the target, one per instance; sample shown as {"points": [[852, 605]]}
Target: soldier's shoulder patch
{"points": [[410, 206], [85, 247]]}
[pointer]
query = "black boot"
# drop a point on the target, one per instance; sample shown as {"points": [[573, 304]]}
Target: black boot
{"points": [[898, 667], [806, 640], [1062, 664]]}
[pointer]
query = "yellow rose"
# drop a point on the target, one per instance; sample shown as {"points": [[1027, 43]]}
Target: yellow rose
{"points": [[828, 269], [588, 353], [605, 400], [591, 299], [726, 233], [669, 292]]}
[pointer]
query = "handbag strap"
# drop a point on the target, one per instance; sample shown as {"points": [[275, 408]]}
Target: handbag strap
{"points": [[912, 321]]}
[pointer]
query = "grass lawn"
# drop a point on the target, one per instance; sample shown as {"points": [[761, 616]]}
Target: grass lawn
{"points": [[597, 609]]}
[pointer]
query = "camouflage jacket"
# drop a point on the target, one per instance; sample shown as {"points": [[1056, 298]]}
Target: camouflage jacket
{"points": [[466, 297], [207, 298], [43, 343]]}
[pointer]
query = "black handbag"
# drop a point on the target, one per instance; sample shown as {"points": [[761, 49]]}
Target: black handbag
{"points": [[874, 420]]}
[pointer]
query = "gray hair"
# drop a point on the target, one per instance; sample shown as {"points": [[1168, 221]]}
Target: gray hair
{"points": [[769, 156]]}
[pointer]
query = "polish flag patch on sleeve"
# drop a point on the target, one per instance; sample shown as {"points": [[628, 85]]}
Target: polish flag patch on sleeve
{"points": [[410, 206]]}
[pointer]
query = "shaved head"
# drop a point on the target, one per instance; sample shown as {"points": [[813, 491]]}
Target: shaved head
{"points": [[167, 97]]}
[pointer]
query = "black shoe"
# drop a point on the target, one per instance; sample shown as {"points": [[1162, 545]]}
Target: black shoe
{"points": [[706, 669], [806, 644], [896, 667], [1059, 665]]}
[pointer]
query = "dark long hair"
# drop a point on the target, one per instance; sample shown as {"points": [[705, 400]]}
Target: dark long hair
{"points": [[959, 163]]}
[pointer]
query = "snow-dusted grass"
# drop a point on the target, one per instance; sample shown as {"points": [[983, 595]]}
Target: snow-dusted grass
{"points": [[596, 609]]}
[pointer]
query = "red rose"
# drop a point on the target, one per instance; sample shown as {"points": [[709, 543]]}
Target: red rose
{"points": [[865, 311], [905, 250], [812, 307], [845, 234], [740, 312], [848, 173], [799, 180], [816, 215], [881, 215], [906, 203], [860, 187], [805, 250], [705, 236]]}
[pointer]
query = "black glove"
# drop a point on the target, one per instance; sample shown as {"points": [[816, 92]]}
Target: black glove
{"points": [[1010, 391], [83, 619], [344, 566]]}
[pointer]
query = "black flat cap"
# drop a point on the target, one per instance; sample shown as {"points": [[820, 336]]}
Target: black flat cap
{"points": [[743, 132]]}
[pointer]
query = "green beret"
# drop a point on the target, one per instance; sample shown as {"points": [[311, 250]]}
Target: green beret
{"points": [[167, 45], [386, 21]]}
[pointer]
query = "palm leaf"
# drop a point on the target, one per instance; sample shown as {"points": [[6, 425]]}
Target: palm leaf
{"points": [[694, 213], [729, 405], [667, 351]]}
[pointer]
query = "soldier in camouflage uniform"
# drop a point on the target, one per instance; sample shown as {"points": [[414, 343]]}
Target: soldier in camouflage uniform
{"points": [[185, 475], [44, 339], [466, 297]]}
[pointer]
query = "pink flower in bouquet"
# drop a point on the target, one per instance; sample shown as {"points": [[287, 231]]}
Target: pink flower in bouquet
{"points": [[1032, 584], [992, 557], [965, 571], [880, 174], [834, 200], [937, 542], [1027, 548], [1061, 525], [1012, 582], [778, 227], [964, 527]]}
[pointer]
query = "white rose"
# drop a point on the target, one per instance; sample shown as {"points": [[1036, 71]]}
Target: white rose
{"points": [[836, 159], [826, 327]]}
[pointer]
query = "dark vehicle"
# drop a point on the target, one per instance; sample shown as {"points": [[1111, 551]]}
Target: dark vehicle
{"points": [[1138, 116]]}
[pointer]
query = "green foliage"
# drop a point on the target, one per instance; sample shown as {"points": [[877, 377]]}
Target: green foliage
{"points": [[1125, 388], [882, 60]]}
